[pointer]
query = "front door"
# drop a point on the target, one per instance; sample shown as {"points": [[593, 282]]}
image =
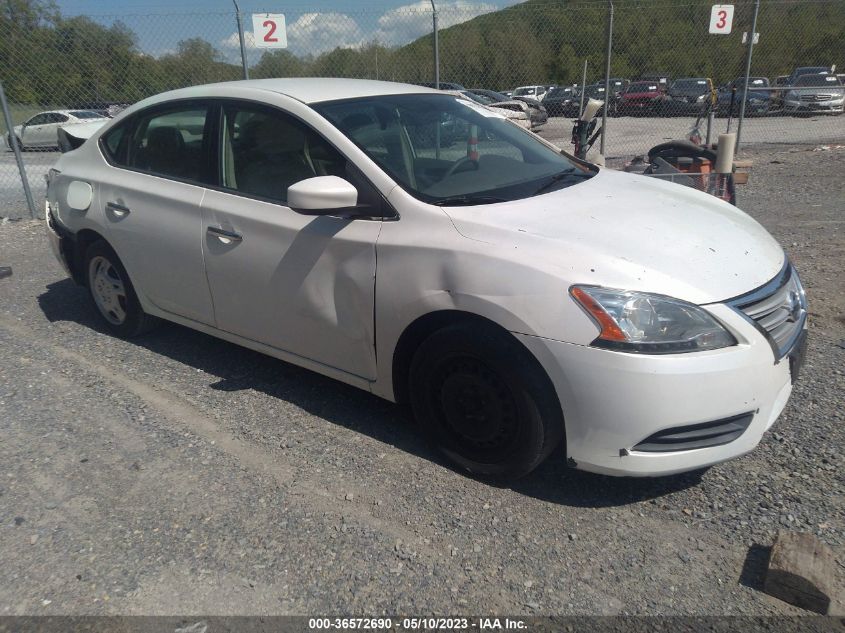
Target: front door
{"points": [[298, 283], [151, 196]]}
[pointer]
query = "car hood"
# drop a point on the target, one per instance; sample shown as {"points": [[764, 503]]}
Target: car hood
{"points": [[634, 232]]}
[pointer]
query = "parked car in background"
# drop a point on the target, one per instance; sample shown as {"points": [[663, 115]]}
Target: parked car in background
{"points": [[759, 100], [537, 92], [618, 85], [516, 111], [518, 299], [689, 96], [642, 98], [40, 131], [562, 101], [444, 85], [806, 70], [73, 135], [815, 93]]}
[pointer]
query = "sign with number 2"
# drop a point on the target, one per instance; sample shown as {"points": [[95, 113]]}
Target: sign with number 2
{"points": [[268, 30], [721, 18]]}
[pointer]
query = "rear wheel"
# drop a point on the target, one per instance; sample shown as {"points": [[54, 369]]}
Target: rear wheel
{"points": [[112, 293], [484, 401]]}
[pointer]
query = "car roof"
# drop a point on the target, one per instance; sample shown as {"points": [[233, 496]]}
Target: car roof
{"points": [[305, 89]]}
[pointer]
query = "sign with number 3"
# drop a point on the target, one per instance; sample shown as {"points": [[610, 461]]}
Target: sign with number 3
{"points": [[721, 18], [268, 30]]}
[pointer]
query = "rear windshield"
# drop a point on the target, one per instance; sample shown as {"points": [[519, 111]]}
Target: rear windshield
{"points": [[818, 80], [86, 114]]}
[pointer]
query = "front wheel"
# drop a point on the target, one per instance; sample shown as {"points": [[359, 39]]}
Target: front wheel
{"points": [[112, 293], [9, 143], [484, 402]]}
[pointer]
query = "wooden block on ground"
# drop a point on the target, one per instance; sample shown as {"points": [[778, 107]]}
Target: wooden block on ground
{"points": [[740, 163], [802, 572]]}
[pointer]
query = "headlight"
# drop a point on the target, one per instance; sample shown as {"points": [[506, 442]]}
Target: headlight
{"points": [[700, 97], [648, 323]]}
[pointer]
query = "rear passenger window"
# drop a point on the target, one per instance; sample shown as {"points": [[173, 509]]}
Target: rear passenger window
{"points": [[171, 143]]}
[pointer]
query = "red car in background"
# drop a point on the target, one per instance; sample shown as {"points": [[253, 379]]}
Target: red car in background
{"points": [[642, 97]]}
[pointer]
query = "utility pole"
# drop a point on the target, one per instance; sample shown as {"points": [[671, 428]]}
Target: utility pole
{"points": [[744, 95], [436, 46], [607, 77], [241, 38]]}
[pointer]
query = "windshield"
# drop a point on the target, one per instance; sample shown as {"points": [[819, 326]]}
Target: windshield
{"points": [[642, 87], [817, 80], [690, 84], [559, 92], [87, 114], [480, 156], [524, 91], [493, 97]]}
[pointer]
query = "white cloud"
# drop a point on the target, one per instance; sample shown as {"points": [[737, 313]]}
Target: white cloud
{"points": [[317, 33], [408, 22], [233, 41]]}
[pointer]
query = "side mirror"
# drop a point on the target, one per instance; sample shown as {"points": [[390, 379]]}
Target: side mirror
{"points": [[322, 195]]}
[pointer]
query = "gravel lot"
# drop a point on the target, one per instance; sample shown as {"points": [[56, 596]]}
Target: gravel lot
{"points": [[179, 474]]}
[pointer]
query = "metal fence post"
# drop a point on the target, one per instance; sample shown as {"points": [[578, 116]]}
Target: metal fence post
{"points": [[436, 46], [747, 72], [583, 86], [13, 141], [241, 38], [607, 78]]}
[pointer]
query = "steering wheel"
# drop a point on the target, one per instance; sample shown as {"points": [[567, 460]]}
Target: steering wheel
{"points": [[463, 160]]}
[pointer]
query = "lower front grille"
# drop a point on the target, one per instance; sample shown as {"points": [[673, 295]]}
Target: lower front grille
{"points": [[692, 436]]}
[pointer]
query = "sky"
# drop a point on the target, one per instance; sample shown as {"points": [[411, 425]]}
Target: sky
{"points": [[313, 27]]}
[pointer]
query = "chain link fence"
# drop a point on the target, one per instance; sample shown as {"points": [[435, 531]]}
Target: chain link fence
{"points": [[666, 68]]}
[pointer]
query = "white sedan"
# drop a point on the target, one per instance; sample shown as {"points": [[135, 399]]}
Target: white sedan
{"points": [[518, 298], [41, 130]]}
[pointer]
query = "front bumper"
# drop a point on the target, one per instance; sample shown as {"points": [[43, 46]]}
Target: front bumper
{"points": [[613, 401], [814, 106]]}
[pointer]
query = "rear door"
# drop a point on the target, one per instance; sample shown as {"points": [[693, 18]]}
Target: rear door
{"points": [[298, 283], [160, 162]]}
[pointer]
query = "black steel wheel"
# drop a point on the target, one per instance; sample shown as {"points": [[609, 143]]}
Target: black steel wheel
{"points": [[484, 401]]}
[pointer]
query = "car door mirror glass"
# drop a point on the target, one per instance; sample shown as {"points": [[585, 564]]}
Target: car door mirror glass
{"points": [[322, 195]]}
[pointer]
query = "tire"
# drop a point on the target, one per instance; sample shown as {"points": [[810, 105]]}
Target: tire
{"points": [[9, 143], [484, 402], [112, 293]]}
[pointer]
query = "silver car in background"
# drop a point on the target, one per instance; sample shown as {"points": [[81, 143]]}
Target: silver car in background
{"points": [[815, 93]]}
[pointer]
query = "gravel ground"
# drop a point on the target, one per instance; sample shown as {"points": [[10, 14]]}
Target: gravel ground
{"points": [[179, 474]]}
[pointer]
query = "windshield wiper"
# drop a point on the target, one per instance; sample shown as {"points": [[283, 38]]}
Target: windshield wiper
{"points": [[566, 173], [463, 201]]}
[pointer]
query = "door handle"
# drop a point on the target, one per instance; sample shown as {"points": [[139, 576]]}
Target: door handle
{"points": [[227, 237], [117, 209]]}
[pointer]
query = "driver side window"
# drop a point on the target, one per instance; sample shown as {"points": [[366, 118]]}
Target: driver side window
{"points": [[265, 151]]}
